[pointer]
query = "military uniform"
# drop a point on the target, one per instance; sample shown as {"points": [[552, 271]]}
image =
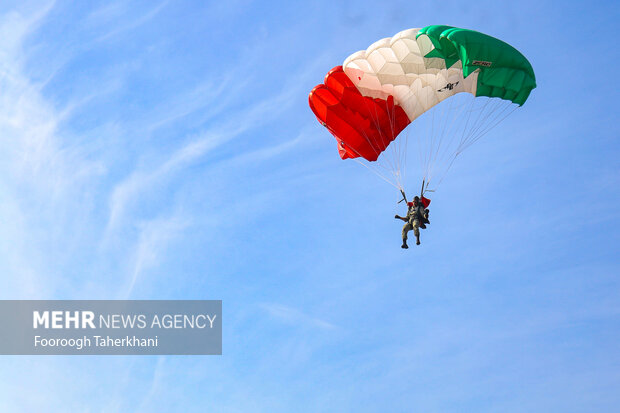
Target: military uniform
{"points": [[415, 215]]}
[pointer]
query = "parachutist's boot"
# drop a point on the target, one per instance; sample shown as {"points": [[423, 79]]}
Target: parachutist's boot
{"points": [[405, 246], [417, 240]]}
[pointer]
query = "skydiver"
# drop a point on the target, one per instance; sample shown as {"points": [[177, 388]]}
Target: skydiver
{"points": [[417, 217]]}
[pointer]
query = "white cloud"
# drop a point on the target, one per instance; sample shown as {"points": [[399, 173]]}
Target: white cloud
{"points": [[110, 12], [46, 176], [144, 180], [154, 237], [295, 317]]}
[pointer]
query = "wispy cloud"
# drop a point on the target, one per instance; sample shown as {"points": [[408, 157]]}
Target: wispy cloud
{"points": [[266, 153], [113, 11], [212, 97], [240, 121], [147, 402], [16, 25], [292, 316], [45, 191], [154, 237], [140, 181]]}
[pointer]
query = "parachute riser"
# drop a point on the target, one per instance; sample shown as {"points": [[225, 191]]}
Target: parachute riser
{"points": [[423, 190], [404, 197]]}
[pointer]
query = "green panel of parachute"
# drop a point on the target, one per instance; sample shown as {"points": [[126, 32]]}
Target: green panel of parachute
{"points": [[504, 72]]}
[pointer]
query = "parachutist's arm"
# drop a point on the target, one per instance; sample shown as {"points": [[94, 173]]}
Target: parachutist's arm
{"points": [[401, 218]]}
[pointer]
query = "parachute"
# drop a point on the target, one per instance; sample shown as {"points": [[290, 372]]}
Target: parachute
{"points": [[442, 86]]}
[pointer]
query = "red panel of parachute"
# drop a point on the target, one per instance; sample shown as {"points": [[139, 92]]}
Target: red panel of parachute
{"points": [[363, 126]]}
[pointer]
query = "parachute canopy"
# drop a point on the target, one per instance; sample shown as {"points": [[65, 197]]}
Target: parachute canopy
{"points": [[369, 100]]}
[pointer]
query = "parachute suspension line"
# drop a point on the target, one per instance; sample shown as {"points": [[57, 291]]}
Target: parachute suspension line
{"points": [[427, 165], [420, 152], [400, 152], [448, 138], [378, 166], [373, 170], [396, 158], [405, 150], [481, 125], [377, 125], [403, 146], [485, 131], [460, 148], [480, 121], [497, 113], [372, 144], [436, 132], [469, 113], [425, 150], [446, 130], [497, 119], [454, 126], [467, 130], [400, 188], [443, 130], [368, 140], [437, 129], [392, 163], [490, 120]]}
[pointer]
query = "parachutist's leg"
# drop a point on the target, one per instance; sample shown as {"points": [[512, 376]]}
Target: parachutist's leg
{"points": [[406, 228], [416, 232]]}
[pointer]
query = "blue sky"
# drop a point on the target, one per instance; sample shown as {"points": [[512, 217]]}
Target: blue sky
{"points": [[165, 150]]}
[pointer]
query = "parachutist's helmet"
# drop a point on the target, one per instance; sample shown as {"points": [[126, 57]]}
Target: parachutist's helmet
{"points": [[417, 199]]}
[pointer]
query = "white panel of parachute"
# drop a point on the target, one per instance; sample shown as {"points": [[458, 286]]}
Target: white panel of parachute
{"points": [[396, 66]]}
